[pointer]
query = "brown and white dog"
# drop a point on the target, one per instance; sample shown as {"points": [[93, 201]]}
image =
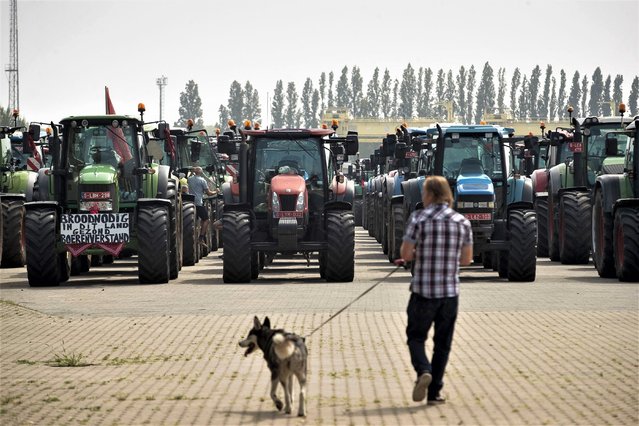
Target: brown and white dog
{"points": [[286, 356]]}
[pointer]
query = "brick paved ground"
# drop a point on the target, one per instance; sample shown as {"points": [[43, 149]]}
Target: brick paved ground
{"points": [[564, 350]]}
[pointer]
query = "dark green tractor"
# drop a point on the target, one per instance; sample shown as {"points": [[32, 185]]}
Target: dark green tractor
{"points": [[615, 210], [103, 195]]}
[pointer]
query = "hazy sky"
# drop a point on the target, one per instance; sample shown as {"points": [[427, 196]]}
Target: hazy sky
{"points": [[70, 50]]}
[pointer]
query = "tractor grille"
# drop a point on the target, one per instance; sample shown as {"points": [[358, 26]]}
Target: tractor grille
{"points": [[287, 202]]}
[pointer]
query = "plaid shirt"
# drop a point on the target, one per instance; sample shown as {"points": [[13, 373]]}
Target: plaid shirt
{"points": [[438, 233]]}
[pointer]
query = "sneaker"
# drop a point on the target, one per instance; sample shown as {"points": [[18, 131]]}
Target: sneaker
{"points": [[436, 400], [421, 385]]}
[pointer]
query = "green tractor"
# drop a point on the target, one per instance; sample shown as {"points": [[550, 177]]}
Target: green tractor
{"points": [[615, 210], [571, 182], [20, 159], [103, 195], [290, 198]]}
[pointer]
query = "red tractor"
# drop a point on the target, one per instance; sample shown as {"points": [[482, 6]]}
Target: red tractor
{"points": [[292, 200]]}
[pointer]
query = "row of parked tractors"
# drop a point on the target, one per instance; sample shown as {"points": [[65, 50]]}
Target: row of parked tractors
{"points": [[93, 188], [569, 194]]}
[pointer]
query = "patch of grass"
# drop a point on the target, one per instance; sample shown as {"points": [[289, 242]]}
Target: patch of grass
{"points": [[177, 398], [51, 399], [120, 396], [9, 399], [25, 362], [66, 359], [150, 398]]}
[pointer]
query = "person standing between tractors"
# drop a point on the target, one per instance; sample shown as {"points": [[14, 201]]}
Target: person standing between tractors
{"points": [[198, 186], [438, 240]]}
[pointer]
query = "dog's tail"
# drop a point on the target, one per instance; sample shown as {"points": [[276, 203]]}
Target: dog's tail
{"points": [[284, 347]]}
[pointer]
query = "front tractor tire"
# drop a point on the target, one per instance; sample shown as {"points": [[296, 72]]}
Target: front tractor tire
{"points": [[522, 260], [237, 247], [154, 231], [43, 262], [189, 236], [602, 250], [340, 252], [574, 228], [541, 208], [626, 243], [13, 244], [397, 222]]}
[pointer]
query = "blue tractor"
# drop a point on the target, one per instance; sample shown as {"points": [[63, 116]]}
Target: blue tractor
{"points": [[476, 160]]}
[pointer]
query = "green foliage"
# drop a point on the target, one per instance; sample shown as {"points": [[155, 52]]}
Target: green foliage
{"points": [[575, 95], [596, 93], [373, 94], [307, 108], [357, 94], [485, 92], [277, 106], [533, 93], [66, 359], [544, 101], [236, 102], [584, 95], [634, 96], [343, 91], [561, 96], [617, 95], [292, 117], [407, 93], [190, 106], [514, 85], [385, 95], [251, 108], [461, 92], [7, 119], [471, 89]]}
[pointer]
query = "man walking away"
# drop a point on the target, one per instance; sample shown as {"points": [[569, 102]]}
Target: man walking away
{"points": [[198, 186], [438, 240]]}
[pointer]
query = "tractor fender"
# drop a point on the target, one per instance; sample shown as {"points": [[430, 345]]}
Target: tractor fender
{"points": [[30, 184], [521, 190], [625, 202], [610, 188], [554, 179], [520, 205], [43, 181], [397, 199], [227, 193], [163, 176], [162, 202], [335, 205], [540, 181], [41, 205], [13, 197]]}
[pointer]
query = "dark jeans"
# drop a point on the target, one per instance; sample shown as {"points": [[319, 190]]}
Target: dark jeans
{"points": [[422, 313]]}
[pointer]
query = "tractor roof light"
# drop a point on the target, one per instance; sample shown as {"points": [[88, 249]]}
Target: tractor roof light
{"points": [[15, 113], [141, 107], [231, 123], [217, 131], [48, 130], [247, 124], [622, 108], [189, 123], [334, 124], [570, 109], [256, 126]]}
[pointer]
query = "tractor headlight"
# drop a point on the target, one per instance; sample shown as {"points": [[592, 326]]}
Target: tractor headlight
{"points": [[275, 202], [299, 204]]}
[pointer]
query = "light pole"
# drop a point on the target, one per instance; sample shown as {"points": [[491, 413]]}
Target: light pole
{"points": [[161, 82]]}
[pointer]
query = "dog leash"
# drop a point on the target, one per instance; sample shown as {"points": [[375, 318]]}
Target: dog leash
{"points": [[355, 300]]}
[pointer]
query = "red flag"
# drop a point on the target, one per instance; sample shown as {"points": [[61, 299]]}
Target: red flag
{"points": [[108, 104], [119, 141]]}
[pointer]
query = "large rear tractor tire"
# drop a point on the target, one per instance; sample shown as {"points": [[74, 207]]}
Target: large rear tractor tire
{"points": [[237, 247], [574, 228], [626, 243], [357, 212], [340, 253], [175, 244], [522, 260], [154, 232], [603, 254], [553, 226], [398, 230], [541, 208], [43, 262], [189, 236], [13, 243]]}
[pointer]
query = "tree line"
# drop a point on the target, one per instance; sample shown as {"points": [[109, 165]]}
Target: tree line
{"points": [[423, 92]]}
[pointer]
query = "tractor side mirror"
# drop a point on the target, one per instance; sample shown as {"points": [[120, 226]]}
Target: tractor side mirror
{"points": [[352, 143], [163, 128], [225, 145], [611, 146]]}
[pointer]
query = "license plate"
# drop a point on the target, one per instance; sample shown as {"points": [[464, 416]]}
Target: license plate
{"points": [[410, 154], [478, 216], [278, 215], [96, 195], [576, 146]]}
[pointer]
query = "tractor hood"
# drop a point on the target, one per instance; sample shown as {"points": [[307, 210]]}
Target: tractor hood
{"points": [[474, 184], [98, 174], [288, 184]]}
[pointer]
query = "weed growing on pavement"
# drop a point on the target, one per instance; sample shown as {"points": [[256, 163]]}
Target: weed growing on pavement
{"points": [[25, 362], [64, 359], [150, 398], [51, 399], [120, 396], [9, 399], [177, 398]]}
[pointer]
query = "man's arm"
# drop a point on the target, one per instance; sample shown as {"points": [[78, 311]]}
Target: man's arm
{"points": [[466, 255], [407, 251]]}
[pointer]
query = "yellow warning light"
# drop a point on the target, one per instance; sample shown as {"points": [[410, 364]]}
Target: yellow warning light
{"points": [[231, 123], [247, 124], [141, 107], [189, 123], [324, 126], [622, 108], [217, 131], [48, 130], [570, 109], [482, 122], [256, 126], [334, 123], [542, 125], [15, 113]]}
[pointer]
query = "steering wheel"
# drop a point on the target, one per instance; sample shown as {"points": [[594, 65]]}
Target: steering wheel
{"points": [[100, 149]]}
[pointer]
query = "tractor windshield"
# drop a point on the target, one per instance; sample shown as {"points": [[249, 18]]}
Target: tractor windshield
{"points": [[472, 154], [101, 144], [286, 156], [597, 143]]}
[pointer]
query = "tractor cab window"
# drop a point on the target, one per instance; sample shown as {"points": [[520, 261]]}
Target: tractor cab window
{"points": [[285, 156], [597, 144], [467, 154]]}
